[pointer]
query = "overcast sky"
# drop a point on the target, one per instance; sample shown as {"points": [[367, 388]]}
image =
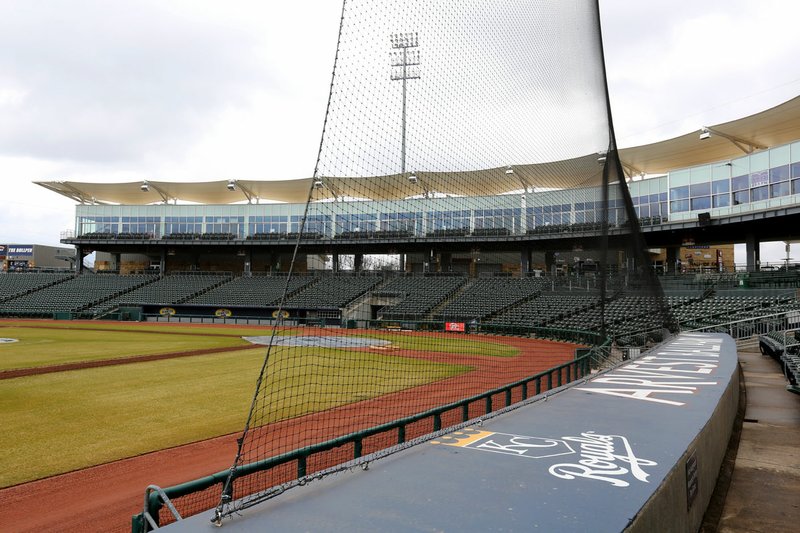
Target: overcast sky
{"points": [[101, 90]]}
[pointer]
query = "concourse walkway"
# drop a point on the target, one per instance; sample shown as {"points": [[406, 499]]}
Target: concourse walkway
{"points": [[764, 493]]}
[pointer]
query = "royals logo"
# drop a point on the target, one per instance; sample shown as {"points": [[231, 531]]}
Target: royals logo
{"points": [[606, 458], [590, 455]]}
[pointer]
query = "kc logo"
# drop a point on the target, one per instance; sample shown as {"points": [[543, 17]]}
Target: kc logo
{"points": [[607, 458]]}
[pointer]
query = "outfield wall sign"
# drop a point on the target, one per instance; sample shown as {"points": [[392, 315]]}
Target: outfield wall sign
{"points": [[454, 326], [25, 250]]}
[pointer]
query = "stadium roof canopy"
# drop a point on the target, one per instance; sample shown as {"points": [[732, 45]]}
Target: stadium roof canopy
{"points": [[775, 126]]}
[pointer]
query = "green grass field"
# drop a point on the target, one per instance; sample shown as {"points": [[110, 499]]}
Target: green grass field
{"points": [[53, 343], [62, 421], [48, 346]]}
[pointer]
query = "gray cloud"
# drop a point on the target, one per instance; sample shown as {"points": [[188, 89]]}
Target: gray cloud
{"points": [[113, 81]]}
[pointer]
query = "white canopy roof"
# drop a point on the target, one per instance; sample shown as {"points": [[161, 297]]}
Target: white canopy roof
{"points": [[775, 126]]}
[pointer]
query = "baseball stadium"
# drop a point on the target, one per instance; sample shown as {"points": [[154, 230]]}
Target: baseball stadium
{"points": [[478, 313]]}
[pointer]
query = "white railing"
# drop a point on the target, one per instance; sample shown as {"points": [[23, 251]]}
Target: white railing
{"points": [[740, 329]]}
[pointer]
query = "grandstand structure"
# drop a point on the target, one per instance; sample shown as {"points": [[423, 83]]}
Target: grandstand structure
{"points": [[741, 183]]}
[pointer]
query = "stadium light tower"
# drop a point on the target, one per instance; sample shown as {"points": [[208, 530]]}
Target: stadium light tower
{"points": [[404, 67]]}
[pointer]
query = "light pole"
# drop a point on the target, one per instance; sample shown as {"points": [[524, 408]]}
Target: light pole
{"points": [[404, 63]]}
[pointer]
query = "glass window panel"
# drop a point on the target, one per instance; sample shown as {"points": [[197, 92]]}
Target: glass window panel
{"points": [[779, 156], [679, 206], [703, 202], [759, 161], [780, 189], [740, 183], [701, 174], [796, 170], [795, 186], [679, 177], [759, 193], [722, 200], [700, 189], [679, 193], [741, 197], [779, 174], [721, 186]]}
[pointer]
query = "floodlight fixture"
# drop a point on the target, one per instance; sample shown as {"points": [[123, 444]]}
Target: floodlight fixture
{"points": [[745, 145], [318, 184], [601, 157], [145, 187], [509, 170], [231, 185], [404, 63], [413, 178]]}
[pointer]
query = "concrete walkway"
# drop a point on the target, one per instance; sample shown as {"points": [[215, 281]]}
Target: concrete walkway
{"points": [[764, 493]]}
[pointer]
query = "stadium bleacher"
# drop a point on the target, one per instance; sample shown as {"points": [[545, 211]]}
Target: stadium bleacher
{"points": [[419, 295], [74, 294], [484, 296], [19, 283], [784, 347], [251, 291], [332, 292], [172, 289]]}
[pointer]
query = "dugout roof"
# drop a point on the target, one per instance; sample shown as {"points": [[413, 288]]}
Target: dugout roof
{"points": [[772, 127]]}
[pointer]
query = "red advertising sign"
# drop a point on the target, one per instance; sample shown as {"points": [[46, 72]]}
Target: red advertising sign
{"points": [[454, 326]]}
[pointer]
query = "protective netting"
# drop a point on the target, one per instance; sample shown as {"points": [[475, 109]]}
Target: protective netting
{"points": [[467, 201]]}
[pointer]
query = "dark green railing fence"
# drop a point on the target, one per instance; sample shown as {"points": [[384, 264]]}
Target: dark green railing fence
{"points": [[597, 353]]}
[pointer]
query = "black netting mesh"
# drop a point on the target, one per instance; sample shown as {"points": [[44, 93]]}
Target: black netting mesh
{"points": [[468, 215]]}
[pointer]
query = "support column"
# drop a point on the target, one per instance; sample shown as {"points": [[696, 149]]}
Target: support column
{"points": [[336, 262], [753, 252], [402, 265], [671, 262], [445, 262], [358, 262], [525, 260], [431, 262], [79, 255], [248, 262], [162, 262]]}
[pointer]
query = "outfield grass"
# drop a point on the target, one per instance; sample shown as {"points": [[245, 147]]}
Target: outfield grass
{"points": [[53, 343], [42, 346], [63, 421]]}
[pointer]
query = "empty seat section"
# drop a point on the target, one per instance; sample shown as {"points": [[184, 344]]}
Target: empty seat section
{"points": [[486, 296], [332, 292], [419, 294], [251, 291], [17, 283], [73, 294]]}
